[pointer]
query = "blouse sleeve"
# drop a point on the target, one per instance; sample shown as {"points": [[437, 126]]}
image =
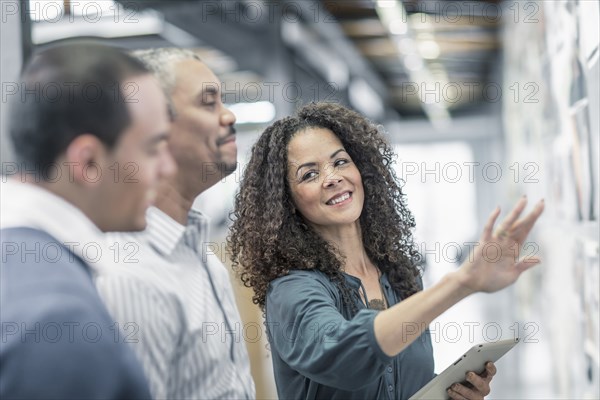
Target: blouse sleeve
{"points": [[310, 334]]}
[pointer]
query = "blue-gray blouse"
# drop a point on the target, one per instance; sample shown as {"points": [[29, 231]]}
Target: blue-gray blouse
{"points": [[322, 351]]}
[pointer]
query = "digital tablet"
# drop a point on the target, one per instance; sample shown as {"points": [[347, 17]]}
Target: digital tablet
{"points": [[473, 360]]}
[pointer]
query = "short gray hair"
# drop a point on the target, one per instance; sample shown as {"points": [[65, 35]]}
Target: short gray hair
{"points": [[161, 61]]}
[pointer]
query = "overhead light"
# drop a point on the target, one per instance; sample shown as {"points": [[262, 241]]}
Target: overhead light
{"points": [[398, 27], [253, 113], [365, 99], [412, 53], [407, 46], [331, 67], [392, 14], [413, 62], [386, 3], [429, 49], [148, 23]]}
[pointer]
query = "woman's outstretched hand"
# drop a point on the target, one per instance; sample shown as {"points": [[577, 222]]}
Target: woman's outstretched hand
{"points": [[495, 261]]}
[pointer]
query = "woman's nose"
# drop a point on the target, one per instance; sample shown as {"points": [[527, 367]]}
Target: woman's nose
{"points": [[332, 180]]}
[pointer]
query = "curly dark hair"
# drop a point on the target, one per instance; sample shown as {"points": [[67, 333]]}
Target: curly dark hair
{"points": [[268, 238]]}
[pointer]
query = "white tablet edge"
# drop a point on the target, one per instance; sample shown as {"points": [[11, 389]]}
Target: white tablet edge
{"points": [[473, 360]]}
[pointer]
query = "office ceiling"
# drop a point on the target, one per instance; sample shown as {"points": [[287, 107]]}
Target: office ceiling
{"points": [[441, 58], [458, 43]]}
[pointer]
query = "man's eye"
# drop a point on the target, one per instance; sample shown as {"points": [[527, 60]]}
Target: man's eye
{"points": [[209, 100]]}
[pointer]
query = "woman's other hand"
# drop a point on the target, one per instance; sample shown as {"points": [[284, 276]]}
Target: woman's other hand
{"points": [[477, 386]]}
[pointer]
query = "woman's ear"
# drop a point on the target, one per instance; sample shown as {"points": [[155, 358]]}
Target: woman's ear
{"points": [[84, 159]]}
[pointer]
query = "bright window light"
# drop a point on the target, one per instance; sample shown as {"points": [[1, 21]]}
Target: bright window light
{"points": [[253, 113], [54, 10], [90, 8], [45, 10]]}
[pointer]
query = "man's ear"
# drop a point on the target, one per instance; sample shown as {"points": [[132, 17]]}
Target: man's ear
{"points": [[84, 159]]}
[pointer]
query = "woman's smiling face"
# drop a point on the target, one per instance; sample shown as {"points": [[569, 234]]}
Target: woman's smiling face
{"points": [[326, 186]]}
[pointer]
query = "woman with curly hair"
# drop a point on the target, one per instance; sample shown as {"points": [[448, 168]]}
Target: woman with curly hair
{"points": [[322, 234]]}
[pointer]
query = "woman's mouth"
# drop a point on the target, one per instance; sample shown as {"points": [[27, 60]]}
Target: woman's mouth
{"points": [[342, 198]]}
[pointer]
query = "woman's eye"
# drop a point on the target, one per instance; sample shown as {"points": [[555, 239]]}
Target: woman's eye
{"points": [[309, 175], [339, 162]]}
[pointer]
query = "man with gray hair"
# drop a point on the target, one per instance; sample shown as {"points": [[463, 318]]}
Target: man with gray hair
{"points": [[177, 293]]}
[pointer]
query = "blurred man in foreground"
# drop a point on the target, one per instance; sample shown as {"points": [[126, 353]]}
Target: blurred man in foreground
{"points": [[89, 126]]}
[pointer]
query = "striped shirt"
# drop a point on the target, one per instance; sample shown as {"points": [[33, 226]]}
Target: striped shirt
{"points": [[174, 302]]}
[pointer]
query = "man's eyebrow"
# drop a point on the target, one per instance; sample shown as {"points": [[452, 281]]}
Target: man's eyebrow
{"points": [[210, 89]]}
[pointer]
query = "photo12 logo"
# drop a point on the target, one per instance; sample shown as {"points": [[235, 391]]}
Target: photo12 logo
{"points": [[453, 172], [61, 12], [68, 332], [491, 332]]}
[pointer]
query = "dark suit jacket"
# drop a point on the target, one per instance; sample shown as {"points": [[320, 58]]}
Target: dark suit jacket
{"points": [[58, 340]]}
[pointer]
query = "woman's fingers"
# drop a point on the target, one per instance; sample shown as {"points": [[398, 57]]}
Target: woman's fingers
{"points": [[480, 384], [511, 227], [526, 224], [527, 262], [459, 392], [490, 369], [489, 226], [512, 217]]}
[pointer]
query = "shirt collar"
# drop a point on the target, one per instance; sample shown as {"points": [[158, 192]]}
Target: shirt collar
{"points": [[27, 205], [164, 233]]}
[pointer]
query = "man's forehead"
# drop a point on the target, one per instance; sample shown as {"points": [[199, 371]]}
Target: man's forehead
{"points": [[192, 73]]}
